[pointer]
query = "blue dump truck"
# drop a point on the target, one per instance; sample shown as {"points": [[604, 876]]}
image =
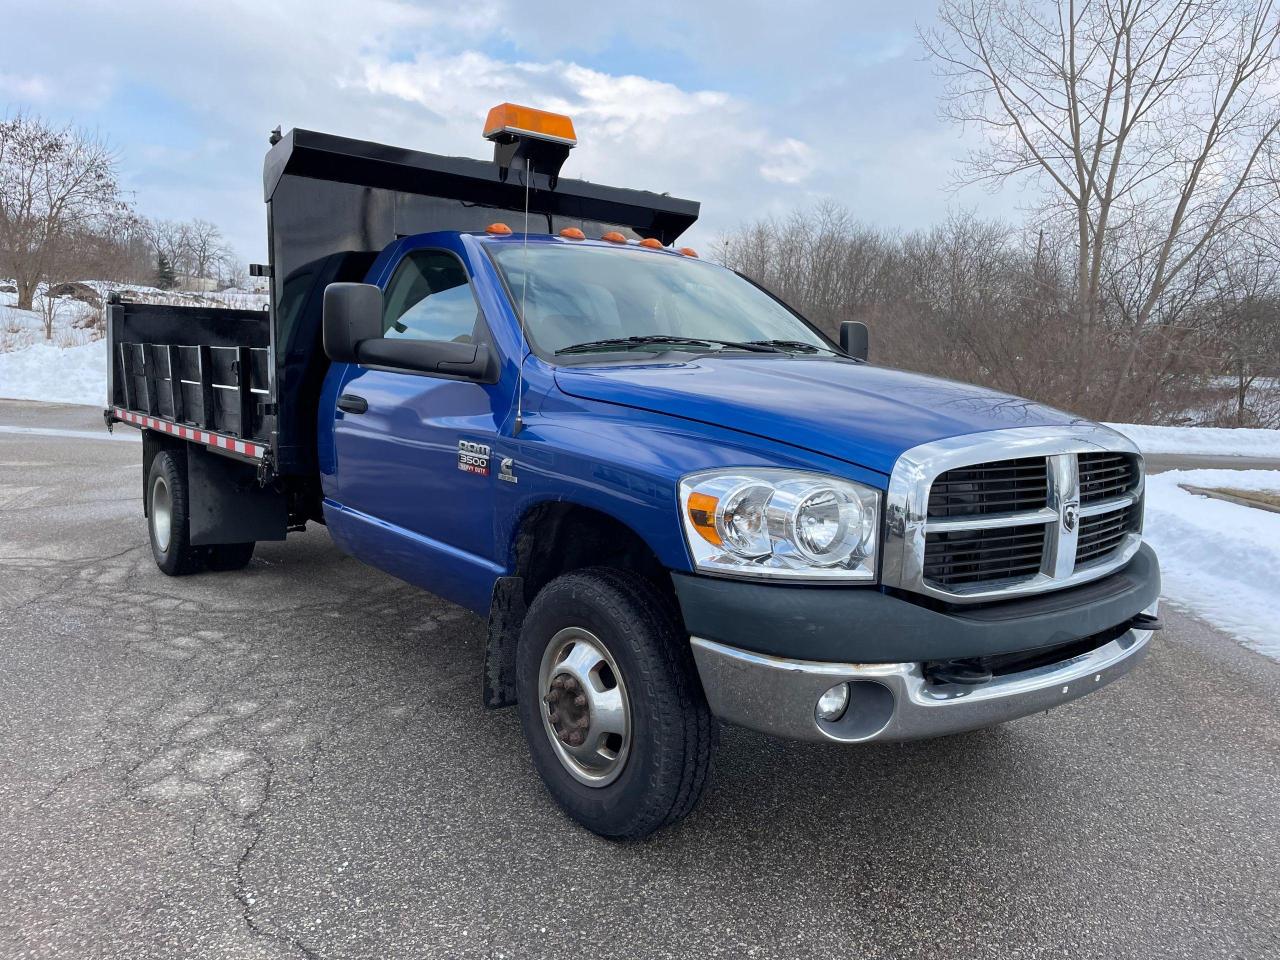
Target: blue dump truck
{"points": [[673, 498]]}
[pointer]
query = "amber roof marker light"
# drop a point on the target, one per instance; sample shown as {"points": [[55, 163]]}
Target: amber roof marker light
{"points": [[652, 243], [613, 236], [573, 233]]}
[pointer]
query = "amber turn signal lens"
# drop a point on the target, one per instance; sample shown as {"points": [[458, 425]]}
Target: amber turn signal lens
{"points": [[573, 233], [689, 252], [501, 229], [651, 243], [613, 236], [702, 513]]}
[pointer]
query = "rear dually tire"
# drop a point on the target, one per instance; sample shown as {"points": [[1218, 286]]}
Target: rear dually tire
{"points": [[168, 509]]}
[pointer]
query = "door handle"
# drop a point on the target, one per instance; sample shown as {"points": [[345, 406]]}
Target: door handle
{"points": [[353, 404]]}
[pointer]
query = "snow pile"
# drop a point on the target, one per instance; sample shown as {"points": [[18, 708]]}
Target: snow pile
{"points": [[1219, 559], [1203, 441], [56, 374]]}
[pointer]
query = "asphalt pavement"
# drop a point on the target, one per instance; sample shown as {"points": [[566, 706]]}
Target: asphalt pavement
{"points": [[292, 761]]}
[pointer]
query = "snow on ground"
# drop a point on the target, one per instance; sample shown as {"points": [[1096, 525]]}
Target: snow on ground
{"points": [[1218, 559], [1203, 441], [72, 367], [56, 374]]}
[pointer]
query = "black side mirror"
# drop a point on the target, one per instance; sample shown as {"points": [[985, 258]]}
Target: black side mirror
{"points": [[854, 339], [352, 313]]}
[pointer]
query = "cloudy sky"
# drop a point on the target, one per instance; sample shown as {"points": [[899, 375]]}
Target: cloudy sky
{"points": [[753, 108]]}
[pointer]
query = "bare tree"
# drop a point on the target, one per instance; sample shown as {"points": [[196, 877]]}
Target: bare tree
{"points": [[1243, 332], [55, 183], [1149, 120], [195, 249], [206, 251], [169, 242]]}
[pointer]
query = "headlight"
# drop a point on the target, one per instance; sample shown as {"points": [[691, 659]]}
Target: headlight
{"points": [[781, 523]]}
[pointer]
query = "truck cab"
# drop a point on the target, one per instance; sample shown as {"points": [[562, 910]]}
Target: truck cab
{"points": [[673, 498]]}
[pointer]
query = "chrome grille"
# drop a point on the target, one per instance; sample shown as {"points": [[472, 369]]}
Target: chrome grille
{"points": [[1104, 533], [1002, 486], [976, 556], [1012, 512], [1104, 475]]}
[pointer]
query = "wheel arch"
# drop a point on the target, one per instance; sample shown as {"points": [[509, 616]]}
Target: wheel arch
{"points": [[552, 538]]}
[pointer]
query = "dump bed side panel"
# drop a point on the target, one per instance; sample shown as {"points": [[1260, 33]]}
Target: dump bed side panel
{"points": [[192, 367]]}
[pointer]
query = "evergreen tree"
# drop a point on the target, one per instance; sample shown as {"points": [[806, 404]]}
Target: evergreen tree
{"points": [[165, 277]]}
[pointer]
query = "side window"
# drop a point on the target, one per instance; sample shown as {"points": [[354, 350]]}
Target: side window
{"points": [[429, 299]]}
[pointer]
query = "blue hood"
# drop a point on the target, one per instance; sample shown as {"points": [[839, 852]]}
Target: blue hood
{"points": [[862, 414]]}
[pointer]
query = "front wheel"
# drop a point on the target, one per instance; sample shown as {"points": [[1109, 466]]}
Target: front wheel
{"points": [[611, 705]]}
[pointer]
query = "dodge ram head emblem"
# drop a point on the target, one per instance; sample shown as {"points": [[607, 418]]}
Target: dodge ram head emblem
{"points": [[1070, 514]]}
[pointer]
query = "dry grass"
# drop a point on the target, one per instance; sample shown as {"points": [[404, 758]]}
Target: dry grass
{"points": [[71, 337], [1259, 496]]}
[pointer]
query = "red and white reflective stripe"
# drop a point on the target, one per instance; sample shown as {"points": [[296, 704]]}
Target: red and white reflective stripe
{"points": [[244, 447]]}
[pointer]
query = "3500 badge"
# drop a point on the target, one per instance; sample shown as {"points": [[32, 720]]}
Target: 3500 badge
{"points": [[473, 457]]}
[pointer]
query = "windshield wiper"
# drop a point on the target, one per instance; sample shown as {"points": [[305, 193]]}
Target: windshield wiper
{"points": [[626, 342], [799, 345]]}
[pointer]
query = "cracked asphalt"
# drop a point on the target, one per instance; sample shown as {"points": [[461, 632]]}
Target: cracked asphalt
{"points": [[292, 761]]}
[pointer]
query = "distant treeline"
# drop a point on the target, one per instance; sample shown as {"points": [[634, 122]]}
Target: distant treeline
{"points": [[994, 304]]}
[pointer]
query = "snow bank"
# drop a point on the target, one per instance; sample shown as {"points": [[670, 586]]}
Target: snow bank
{"points": [[1218, 559], [56, 374], [1202, 441]]}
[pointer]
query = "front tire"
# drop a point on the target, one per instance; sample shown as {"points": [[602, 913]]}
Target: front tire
{"points": [[611, 705], [167, 512]]}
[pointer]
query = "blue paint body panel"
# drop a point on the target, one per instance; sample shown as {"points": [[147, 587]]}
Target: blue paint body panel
{"points": [[614, 437], [855, 412]]}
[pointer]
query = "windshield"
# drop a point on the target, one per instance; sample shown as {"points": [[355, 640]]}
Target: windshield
{"points": [[578, 295]]}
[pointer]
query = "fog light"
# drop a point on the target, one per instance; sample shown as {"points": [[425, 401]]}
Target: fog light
{"points": [[833, 703]]}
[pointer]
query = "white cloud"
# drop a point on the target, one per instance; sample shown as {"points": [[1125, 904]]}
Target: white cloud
{"points": [[746, 111], [629, 127], [787, 162], [633, 131], [15, 86]]}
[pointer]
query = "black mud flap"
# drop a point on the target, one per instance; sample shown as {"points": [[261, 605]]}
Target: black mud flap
{"points": [[506, 617], [228, 505]]}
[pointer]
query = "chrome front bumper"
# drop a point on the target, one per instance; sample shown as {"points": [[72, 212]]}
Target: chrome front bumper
{"points": [[894, 701]]}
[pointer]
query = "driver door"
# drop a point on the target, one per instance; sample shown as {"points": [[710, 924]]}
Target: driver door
{"points": [[409, 505]]}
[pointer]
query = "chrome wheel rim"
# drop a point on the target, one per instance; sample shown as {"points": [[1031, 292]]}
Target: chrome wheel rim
{"points": [[161, 513], [585, 710]]}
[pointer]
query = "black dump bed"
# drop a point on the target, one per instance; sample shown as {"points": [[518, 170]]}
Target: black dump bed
{"points": [[333, 204]]}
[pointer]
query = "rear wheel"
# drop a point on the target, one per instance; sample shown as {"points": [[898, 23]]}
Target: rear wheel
{"points": [[611, 705], [167, 512]]}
